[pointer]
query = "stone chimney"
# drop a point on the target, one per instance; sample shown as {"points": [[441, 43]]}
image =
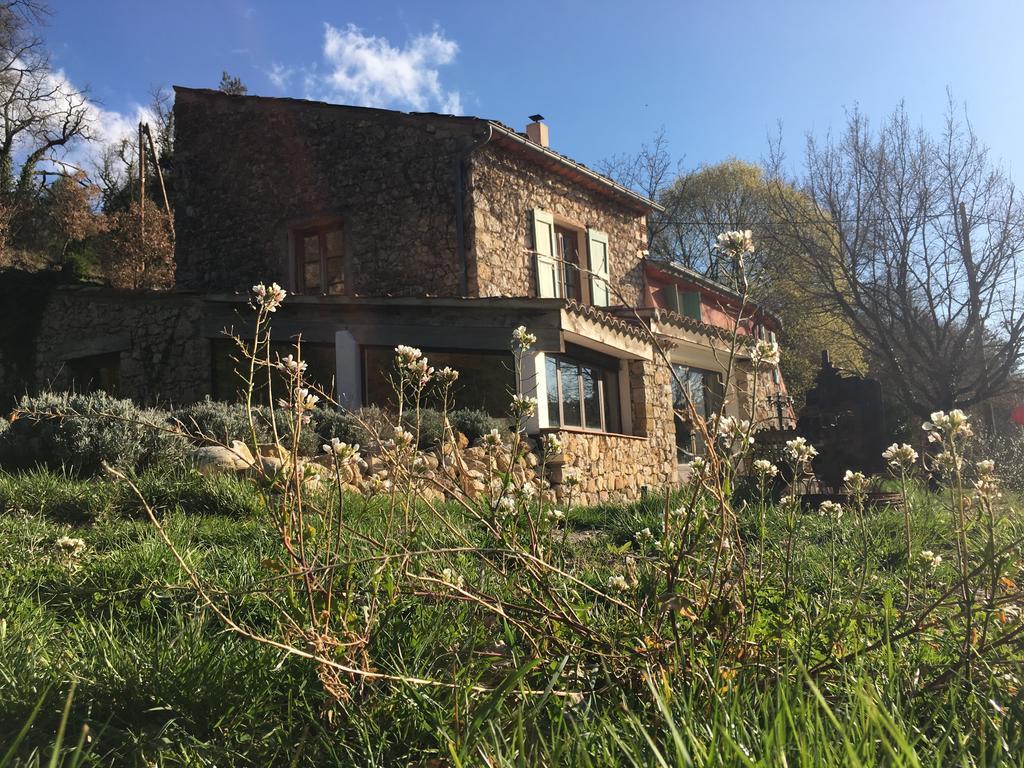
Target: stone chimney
{"points": [[537, 132]]}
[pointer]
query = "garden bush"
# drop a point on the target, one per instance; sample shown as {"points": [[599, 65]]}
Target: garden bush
{"points": [[340, 423], [223, 422], [474, 423], [1008, 453], [83, 431], [365, 425], [431, 427]]}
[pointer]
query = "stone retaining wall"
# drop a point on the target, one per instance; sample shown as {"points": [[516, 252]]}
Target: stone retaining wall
{"points": [[154, 338]]}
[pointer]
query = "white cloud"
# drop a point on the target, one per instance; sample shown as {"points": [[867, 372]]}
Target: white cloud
{"points": [[367, 70], [104, 128], [280, 76]]}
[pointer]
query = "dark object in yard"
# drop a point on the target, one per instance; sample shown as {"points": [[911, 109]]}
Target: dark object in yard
{"points": [[872, 500], [843, 419]]}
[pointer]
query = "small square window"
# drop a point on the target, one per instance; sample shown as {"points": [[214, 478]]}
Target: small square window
{"points": [[320, 260]]}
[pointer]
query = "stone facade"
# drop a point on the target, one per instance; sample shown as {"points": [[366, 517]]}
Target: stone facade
{"points": [[154, 339], [249, 171], [618, 468], [505, 189]]}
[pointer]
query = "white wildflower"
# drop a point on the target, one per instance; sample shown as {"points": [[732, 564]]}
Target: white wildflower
{"points": [[900, 456], [855, 483], [645, 538], [492, 440], [930, 559], [618, 583], [523, 406], [402, 440], [453, 577], [291, 365], [734, 429], [735, 244], [831, 509], [554, 515], [765, 354], [406, 356], [522, 339], [447, 376], [343, 453], [948, 463], [765, 468], [953, 424], [799, 450], [551, 444], [72, 547], [269, 298]]}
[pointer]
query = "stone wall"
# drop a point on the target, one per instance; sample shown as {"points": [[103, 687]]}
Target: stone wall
{"points": [[504, 191], [154, 337], [617, 468], [250, 170]]}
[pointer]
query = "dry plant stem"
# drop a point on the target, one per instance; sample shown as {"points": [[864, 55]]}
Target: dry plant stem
{"points": [[906, 532], [292, 650]]}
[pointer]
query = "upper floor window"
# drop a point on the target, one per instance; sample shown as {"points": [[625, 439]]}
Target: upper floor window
{"points": [[563, 270], [319, 259], [567, 244]]}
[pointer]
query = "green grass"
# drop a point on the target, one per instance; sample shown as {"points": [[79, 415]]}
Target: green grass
{"points": [[118, 641]]}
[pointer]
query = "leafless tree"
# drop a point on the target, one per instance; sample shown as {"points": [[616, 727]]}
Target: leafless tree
{"points": [[650, 171], [917, 241], [40, 112]]}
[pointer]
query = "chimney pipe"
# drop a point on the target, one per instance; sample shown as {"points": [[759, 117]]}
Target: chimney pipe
{"points": [[537, 132]]}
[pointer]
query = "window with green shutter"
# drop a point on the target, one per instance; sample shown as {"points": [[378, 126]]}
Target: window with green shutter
{"points": [[600, 288], [548, 283], [689, 304]]}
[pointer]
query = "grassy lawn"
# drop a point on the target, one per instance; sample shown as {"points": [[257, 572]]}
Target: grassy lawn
{"points": [[808, 670]]}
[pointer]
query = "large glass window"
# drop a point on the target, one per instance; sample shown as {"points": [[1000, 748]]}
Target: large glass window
{"points": [[702, 389], [231, 369], [583, 394], [486, 379], [96, 372]]}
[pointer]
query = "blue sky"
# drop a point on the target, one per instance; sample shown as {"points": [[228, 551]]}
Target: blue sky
{"points": [[719, 76]]}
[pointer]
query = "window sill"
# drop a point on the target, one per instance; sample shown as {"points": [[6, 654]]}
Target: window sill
{"points": [[591, 432]]}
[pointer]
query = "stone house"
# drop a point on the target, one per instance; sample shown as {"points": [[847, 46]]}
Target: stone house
{"points": [[435, 231]]}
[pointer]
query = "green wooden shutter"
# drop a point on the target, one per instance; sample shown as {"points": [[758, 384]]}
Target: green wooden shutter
{"points": [[671, 295], [690, 304], [544, 251], [600, 290]]}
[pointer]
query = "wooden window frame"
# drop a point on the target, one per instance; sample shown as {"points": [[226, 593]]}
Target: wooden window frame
{"points": [[602, 404], [582, 273], [321, 230]]}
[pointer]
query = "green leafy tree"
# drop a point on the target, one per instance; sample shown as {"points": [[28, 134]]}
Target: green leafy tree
{"points": [[738, 195]]}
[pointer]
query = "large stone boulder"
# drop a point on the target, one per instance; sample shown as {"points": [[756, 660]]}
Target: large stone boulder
{"points": [[235, 457]]}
